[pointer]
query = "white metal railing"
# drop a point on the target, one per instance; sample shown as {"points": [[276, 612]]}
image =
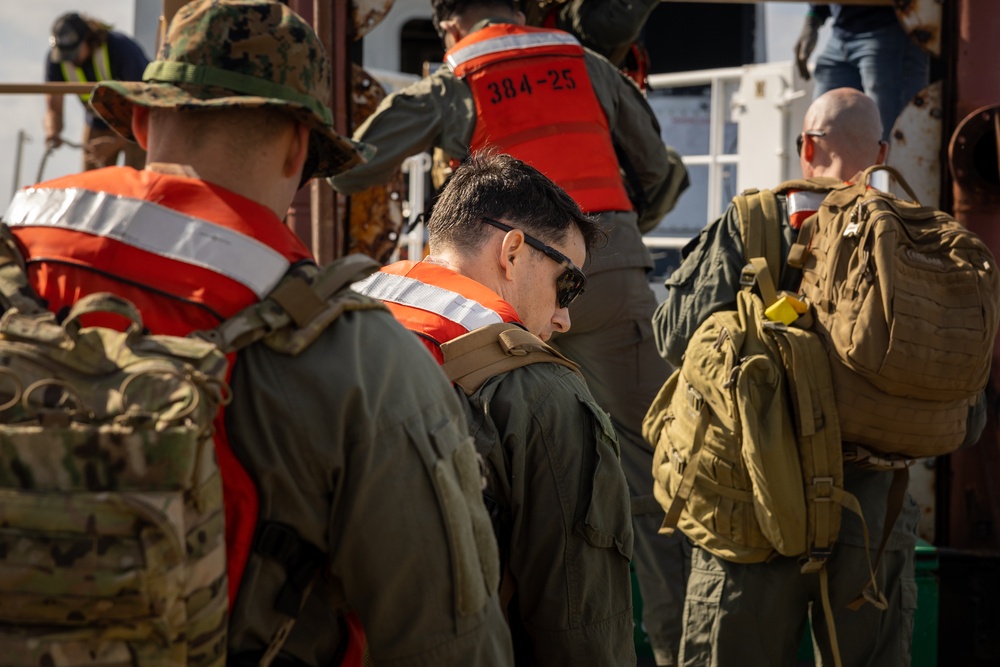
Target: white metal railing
{"points": [[417, 167], [716, 160]]}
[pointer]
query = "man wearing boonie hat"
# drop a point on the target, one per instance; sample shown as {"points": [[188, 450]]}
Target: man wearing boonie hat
{"points": [[85, 50], [355, 451]]}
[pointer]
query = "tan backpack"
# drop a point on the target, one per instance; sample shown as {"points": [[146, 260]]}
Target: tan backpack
{"points": [[748, 451], [907, 302]]}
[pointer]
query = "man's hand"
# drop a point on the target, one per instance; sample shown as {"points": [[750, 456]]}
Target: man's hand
{"points": [[53, 141], [807, 42]]}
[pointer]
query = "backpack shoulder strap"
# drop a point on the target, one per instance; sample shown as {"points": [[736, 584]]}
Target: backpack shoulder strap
{"points": [[760, 228], [815, 184], [15, 290], [473, 358], [299, 309]]}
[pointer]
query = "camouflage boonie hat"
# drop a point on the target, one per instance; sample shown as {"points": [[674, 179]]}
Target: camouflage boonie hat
{"points": [[238, 53]]}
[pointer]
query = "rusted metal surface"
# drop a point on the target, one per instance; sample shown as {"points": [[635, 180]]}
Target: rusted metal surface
{"points": [[376, 214], [915, 145], [922, 21], [973, 495], [366, 14], [973, 155]]}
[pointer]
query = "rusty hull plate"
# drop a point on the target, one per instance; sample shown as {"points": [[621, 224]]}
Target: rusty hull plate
{"points": [[367, 14], [376, 213], [915, 145], [922, 19]]}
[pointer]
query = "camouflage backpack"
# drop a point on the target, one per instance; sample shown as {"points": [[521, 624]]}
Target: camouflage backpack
{"points": [[112, 546], [112, 537]]}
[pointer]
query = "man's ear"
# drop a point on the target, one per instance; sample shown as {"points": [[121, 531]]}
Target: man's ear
{"points": [[512, 247], [297, 151], [883, 152], [451, 32], [140, 125]]}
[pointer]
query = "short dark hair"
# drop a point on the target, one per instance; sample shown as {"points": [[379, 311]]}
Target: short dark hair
{"points": [[495, 185], [445, 9]]}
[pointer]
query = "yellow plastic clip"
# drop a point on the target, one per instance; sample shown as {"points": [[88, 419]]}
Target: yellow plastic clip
{"points": [[785, 310]]}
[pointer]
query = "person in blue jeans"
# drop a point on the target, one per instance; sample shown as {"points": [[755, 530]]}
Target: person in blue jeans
{"points": [[868, 51]]}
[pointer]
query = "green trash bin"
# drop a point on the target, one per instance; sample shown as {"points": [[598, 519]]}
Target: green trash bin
{"points": [[925, 620], [643, 648]]}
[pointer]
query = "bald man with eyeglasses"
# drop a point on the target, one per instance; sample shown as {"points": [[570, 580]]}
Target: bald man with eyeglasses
{"points": [[754, 615], [506, 245]]}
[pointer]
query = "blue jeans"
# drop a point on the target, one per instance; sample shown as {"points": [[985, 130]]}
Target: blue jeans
{"points": [[885, 63]]}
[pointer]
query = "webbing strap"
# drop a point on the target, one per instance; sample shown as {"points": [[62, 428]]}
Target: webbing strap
{"points": [[761, 271], [893, 508], [800, 249], [690, 470], [760, 227], [302, 563], [831, 627], [871, 593], [473, 358], [297, 300]]}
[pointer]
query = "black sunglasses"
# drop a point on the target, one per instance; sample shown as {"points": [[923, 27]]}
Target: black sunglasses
{"points": [[571, 283], [799, 140]]}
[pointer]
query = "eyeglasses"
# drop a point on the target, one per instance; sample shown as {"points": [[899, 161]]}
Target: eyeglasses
{"points": [[799, 140], [570, 283]]}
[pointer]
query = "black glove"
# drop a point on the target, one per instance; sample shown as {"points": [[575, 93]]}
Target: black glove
{"points": [[807, 42]]}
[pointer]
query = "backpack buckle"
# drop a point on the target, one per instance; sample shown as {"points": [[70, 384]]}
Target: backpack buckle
{"points": [[695, 399], [277, 541], [748, 276], [823, 486]]}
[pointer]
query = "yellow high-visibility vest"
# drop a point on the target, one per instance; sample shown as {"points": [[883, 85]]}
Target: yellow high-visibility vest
{"points": [[102, 70]]}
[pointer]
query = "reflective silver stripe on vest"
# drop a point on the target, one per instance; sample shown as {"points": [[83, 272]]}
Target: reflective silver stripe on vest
{"points": [[409, 292], [804, 200], [509, 43], [155, 229]]}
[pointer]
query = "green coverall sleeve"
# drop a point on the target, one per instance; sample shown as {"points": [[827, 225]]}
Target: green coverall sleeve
{"points": [[361, 445], [706, 282], [570, 523], [436, 111], [659, 177]]}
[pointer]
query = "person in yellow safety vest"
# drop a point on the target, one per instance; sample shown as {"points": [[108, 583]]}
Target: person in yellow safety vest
{"points": [[83, 50]]}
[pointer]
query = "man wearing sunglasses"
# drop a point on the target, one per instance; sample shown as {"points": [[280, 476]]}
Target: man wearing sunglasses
{"points": [[538, 95], [505, 246]]}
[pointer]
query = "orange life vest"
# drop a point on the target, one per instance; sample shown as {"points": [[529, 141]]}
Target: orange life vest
{"points": [[534, 100], [192, 259], [436, 303]]}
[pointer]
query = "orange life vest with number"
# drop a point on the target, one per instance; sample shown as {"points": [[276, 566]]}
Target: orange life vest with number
{"points": [[534, 100]]}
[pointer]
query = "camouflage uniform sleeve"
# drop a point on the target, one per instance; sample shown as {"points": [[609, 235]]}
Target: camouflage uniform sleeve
{"points": [[706, 282], [659, 174], [360, 443], [436, 111], [558, 470]]}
